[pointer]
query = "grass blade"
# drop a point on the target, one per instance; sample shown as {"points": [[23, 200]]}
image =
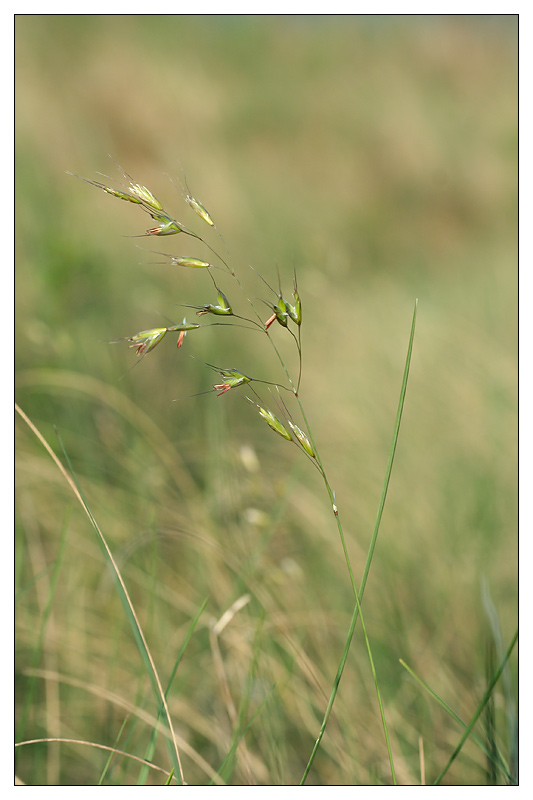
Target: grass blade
{"points": [[359, 595], [497, 761], [121, 587], [153, 739], [29, 692], [98, 746], [111, 754], [477, 713]]}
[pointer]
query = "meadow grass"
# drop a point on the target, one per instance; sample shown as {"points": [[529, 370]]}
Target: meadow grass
{"points": [[143, 342], [221, 530]]}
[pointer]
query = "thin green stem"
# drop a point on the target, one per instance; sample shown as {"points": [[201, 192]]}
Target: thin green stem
{"points": [[477, 713], [358, 611], [498, 761], [392, 452], [359, 595]]}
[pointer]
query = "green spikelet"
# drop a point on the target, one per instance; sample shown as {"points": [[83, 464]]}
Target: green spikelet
{"points": [[274, 423], [302, 438]]}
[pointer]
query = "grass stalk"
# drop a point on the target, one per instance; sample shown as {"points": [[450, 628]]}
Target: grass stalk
{"points": [[153, 739], [123, 592], [97, 746], [497, 760], [479, 710], [359, 595]]}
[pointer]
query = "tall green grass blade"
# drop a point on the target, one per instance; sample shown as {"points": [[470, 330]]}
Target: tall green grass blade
{"points": [[111, 754], [129, 610], [359, 595], [121, 588], [510, 706], [169, 779], [20, 592], [490, 725], [235, 742], [479, 710], [498, 761], [392, 452], [143, 775]]}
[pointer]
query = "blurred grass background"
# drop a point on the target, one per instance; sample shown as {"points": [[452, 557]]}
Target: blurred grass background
{"points": [[378, 157]]}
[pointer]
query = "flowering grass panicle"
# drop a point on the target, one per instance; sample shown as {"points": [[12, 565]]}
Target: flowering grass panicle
{"points": [[287, 313], [146, 340]]}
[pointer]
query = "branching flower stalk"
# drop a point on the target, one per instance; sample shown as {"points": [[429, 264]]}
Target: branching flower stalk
{"points": [[285, 313], [141, 196]]}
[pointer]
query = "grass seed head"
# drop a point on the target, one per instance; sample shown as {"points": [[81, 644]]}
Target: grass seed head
{"points": [[302, 438], [223, 309], [119, 194], [274, 423], [113, 192], [280, 313], [183, 327], [145, 195], [167, 226], [199, 209], [295, 310], [195, 204], [144, 341], [190, 262], [233, 378], [297, 303]]}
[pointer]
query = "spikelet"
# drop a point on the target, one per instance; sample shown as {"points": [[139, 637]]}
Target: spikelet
{"points": [[145, 341], [274, 423], [195, 204], [233, 378], [114, 192], [179, 261], [222, 309], [195, 263], [167, 226], [302, 438], [295, 309], [200, 210], [144, 195], [279, 313]]}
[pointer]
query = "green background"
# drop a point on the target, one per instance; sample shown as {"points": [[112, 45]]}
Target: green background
{"points": [[377, 157]]}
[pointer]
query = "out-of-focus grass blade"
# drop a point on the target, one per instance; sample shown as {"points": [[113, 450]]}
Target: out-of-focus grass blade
{"points": [[111, 754], [94, 745], [479, 709], [510, 705], [28, 698], [235, 742], [153, 739], [169, 779], [121, 588], [498, 762]]}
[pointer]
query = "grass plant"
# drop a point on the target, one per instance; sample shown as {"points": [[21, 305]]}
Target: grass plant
{"points": [[285, 312], [372, 163]]}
